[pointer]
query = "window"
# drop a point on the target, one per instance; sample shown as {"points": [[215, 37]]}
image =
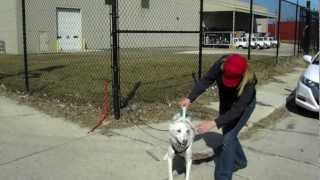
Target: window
{"points": [[145, 4], [108, 2]]}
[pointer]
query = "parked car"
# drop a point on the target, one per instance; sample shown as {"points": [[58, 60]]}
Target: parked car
{"points": [[260, 44], [243, 42], [273, 42], [240, 42], [307, 92], [267, 42], [253, 43]]}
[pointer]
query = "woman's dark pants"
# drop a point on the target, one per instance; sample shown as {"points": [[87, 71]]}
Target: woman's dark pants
{"points": [[231, 156]]}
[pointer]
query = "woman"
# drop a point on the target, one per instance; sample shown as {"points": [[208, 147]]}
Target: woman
{"points": [[237, 94]]}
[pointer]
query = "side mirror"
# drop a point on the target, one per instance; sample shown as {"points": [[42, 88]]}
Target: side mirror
{"points": [[307, 58]]}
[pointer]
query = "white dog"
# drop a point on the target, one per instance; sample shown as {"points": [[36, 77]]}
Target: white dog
{"points": [[181, 138]]}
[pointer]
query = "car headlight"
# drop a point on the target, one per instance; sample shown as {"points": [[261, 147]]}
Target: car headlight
{"points": [[308, 82]]}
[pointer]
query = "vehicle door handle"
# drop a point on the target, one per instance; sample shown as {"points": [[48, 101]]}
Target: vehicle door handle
{"points": [[75, 36]]}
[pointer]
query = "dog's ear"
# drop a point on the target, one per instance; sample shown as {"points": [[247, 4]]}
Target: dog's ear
{"points": [[191, 125], [176, 117], [171, 127]]}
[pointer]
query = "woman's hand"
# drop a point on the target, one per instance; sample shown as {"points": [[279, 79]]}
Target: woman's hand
{"points": [[185, 102], [205, 126]]}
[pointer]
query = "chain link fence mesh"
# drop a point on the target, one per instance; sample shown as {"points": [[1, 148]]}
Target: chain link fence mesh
{"points": [[69, 44], [158, 49], [287, 28], [68, 48]]}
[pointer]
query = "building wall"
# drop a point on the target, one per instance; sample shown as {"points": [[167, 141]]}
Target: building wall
{"points": [[9, 26], [179, 15], [262, 25], [161, 15], [285, 34], [41, 17]]}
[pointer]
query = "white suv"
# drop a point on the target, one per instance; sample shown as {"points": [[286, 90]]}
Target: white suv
{"points": [[253, 43], [267, 42], [260, 43], [240, 42], [307, 92], [273, 42]]}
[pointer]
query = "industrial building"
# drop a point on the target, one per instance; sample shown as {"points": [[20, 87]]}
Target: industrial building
{"points": [[82, 25]]}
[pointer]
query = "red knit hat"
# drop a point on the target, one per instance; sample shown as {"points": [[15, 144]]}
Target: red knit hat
{"points": [[233, 70]]}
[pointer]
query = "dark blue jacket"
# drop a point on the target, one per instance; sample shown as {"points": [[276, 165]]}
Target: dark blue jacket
{"points": [[231, 105]]}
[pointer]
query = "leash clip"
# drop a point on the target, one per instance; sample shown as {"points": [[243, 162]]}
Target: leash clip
{"points": [[184, 112]]}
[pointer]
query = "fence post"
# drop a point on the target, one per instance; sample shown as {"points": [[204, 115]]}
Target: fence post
{"points": [[25, 50], [250, 29], [278, 30], [307, 30], [299, 29], [200, 40], [318, 32], [296, 30], [115, 60]]}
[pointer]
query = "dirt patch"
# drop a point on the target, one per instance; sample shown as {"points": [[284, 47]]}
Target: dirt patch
{"points": [[86, 115]]}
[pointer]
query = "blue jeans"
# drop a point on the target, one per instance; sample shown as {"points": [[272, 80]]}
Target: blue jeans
{"points": [[231, 155]]}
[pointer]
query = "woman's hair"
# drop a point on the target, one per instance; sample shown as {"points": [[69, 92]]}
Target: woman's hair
{"points": [[248, 77]]}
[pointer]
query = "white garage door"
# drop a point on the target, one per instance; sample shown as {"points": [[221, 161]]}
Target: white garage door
{"points": [[69, 29], [44, 41]]}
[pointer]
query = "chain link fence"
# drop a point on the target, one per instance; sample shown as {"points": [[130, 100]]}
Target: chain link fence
{"points": [[152, 58], [68, 48], [148, 50]]}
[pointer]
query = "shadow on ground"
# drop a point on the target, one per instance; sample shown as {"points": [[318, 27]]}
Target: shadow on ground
{"points": [[36, 73], [212, 140], [293, 108]]}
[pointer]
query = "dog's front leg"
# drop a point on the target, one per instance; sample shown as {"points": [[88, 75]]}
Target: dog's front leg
{"points": [[188, 158], [170, 169], [170, 162]]}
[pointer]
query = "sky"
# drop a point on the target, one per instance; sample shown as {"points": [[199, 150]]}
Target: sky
{"points": [[271, 3], [288, 10]]}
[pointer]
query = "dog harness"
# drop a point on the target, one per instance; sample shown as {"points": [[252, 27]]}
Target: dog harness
{"points": [[179, 148]]}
